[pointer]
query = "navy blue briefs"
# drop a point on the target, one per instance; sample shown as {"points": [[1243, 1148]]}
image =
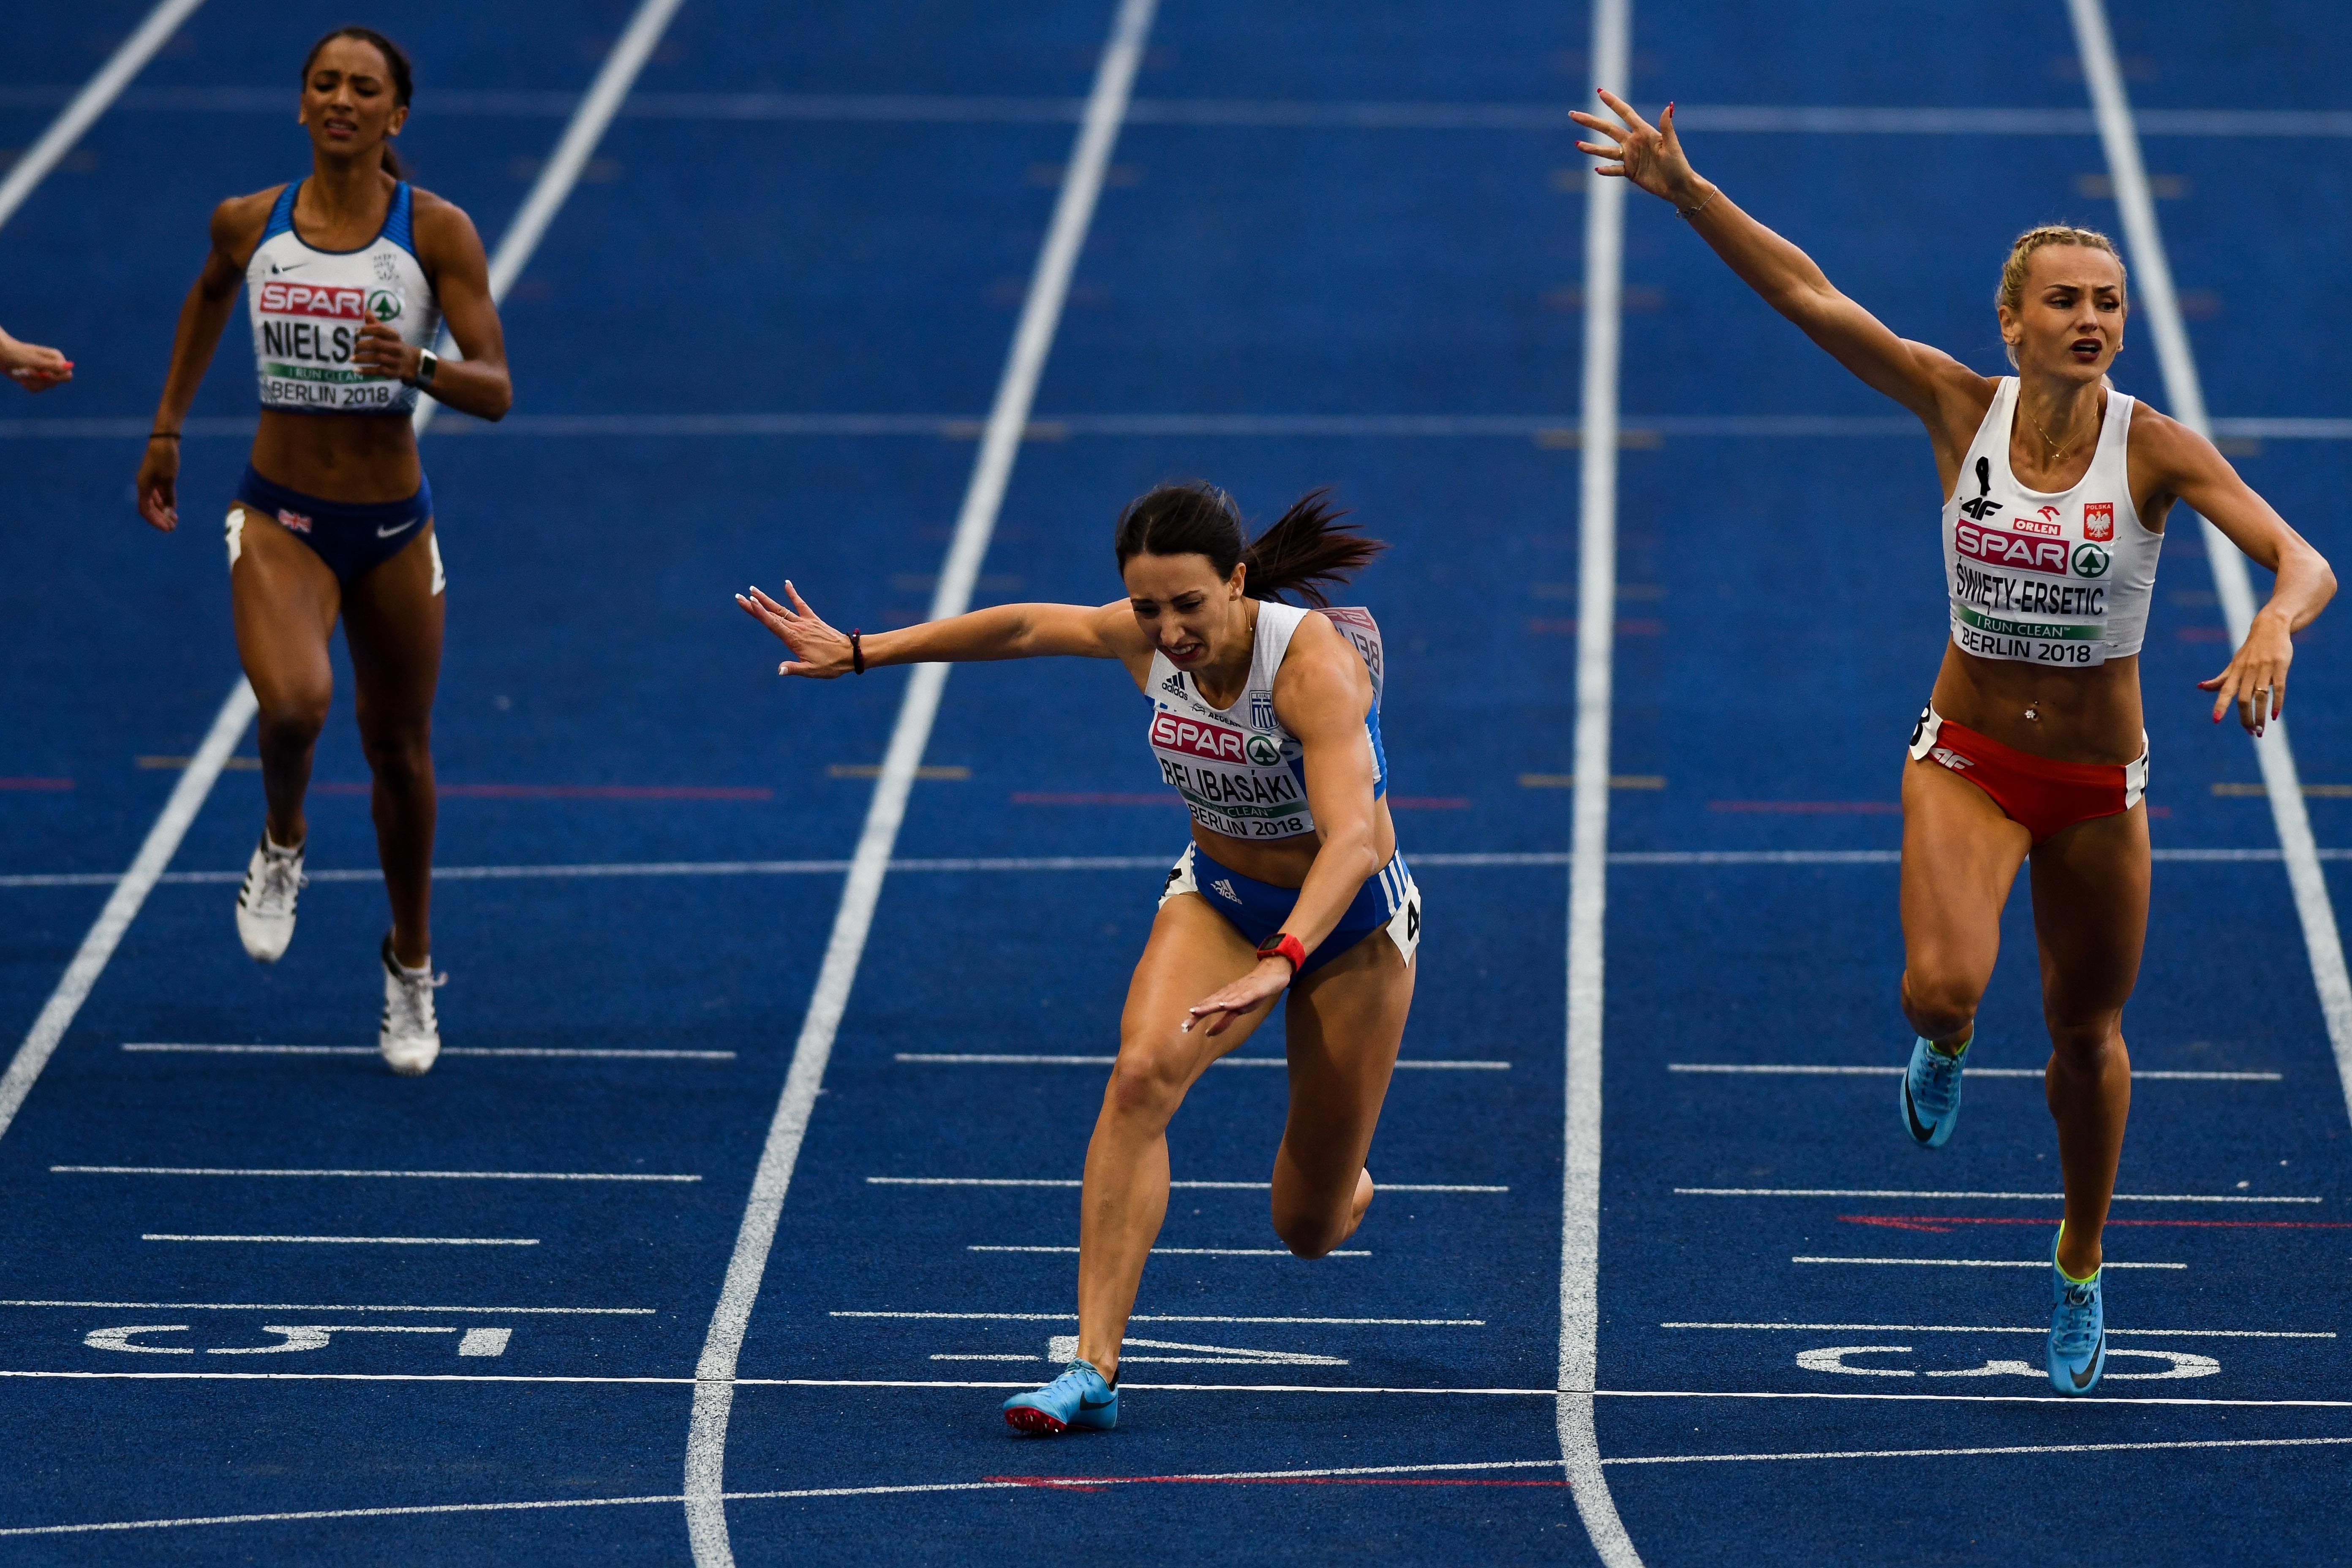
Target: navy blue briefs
{"points": [[352, 538]]}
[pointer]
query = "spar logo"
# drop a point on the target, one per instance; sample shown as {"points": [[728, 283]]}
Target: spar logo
{"points": [[1214, 742], [1263, 751], [1999, 547], [324, 301], [383, 305], [2090, 561], [2099, 521]]}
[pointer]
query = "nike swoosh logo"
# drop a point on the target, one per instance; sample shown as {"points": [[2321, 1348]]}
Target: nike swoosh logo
{"points": [[290, 267], [2082, 1378], [404, 528], [1912, 1116], [1097, 1403]]}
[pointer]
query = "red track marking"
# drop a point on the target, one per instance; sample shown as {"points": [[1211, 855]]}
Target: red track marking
{"points": [[1104, 1483], [1944, 1222], [1555, 626], [575, 792], [1091, 798], [37, 784], [1812, 808]]}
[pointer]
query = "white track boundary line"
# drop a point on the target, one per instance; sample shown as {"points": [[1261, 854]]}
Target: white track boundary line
{"points": [[1977, 1453], [122, 905], [565, 165], [1588, 876], [188, 796], [2186, 392], [128, 61], [1008, 418]]}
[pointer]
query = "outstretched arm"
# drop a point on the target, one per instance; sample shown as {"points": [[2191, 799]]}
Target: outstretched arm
{"points": [[2189, 468], [1927, 381], [1000, 631], [32, 367]]}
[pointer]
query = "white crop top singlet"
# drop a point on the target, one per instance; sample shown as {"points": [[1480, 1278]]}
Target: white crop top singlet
{"points": [[2062, 580], [1241, 773], [308, 305]]}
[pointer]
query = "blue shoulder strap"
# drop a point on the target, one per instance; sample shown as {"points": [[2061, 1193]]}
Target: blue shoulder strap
{"points": [[281, 216], [398, 225]]}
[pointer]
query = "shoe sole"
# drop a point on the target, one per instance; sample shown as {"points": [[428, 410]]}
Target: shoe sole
{"points": [[1035, 1422]]}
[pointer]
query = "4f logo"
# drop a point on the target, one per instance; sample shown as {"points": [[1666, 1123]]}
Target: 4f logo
{"points": [[1983, 502]]}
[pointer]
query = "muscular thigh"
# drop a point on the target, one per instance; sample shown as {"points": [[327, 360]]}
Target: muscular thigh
{"points": [[1960, 855], [284, 601], [1193, 953], [1345, 1023], [392, 621], [2090, 914]]}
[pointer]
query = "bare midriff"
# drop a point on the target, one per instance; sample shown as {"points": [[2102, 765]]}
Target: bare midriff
{"points": [[359, 458], [2080, 715], [1284, 862]]}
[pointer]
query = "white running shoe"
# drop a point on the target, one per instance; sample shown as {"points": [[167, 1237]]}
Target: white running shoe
{"points": [[265, 905], [410, 1038]]}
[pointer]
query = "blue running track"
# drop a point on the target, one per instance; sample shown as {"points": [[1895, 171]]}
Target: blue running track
{"points": [[1337, 244]]}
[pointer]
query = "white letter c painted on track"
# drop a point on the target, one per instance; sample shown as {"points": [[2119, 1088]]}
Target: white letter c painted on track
{"points": [[119, 1339], [1832, 1359]]}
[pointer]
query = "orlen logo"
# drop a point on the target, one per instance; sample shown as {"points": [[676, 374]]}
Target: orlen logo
{"points": [[325, 301], [1214, 741], [2002, 547], [2099, 521]]}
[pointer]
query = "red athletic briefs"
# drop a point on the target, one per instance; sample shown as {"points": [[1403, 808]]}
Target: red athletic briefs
{"points": [[2043, 796]]}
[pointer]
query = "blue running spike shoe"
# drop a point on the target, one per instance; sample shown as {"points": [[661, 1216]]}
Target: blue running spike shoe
{"points": [[2078, 1329], [1931, 1094], [1079, 1397]]}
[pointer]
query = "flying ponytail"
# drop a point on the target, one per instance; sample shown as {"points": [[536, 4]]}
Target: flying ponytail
{"points": [[1307, 547]]}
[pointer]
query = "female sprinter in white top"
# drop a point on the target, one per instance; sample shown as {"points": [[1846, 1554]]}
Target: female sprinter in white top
{"points": [[350, 273], [2057, 489], [1265, 718]]}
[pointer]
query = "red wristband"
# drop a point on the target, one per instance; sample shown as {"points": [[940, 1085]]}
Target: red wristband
{"points": [[1282, 945]]}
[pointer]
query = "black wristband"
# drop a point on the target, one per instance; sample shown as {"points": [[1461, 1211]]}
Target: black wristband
{"points": [[856, 652], [162, 435]]}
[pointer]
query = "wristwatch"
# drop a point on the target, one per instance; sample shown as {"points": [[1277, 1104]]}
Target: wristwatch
{"points": [[1282, 945], [427, 361]]}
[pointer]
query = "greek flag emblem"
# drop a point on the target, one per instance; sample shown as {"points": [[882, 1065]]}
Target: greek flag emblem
{"points": [[1261, 710]]}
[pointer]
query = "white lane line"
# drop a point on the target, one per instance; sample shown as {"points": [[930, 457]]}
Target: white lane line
{"points": [[1588, 875], [1973, 1262], [237, 711], [1998, 1329], [1173, 1318], [128, 61], [563, 167], [421, 1176], [2064, 1401], [1026, 1483], [984, 1058], [2034, 1197], [2185, 391], [2023, 119], [1813, 1069], [1181, 1251], [1075, 1181], [445, 1050], [1065, 863], [1008, 419], [339, 1306], [1972, 1453], [122, 905], [362, 1240], [1546, 429]]}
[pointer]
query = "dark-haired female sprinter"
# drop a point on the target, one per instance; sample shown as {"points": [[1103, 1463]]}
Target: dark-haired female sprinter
{"points": [[1265, 718], [349, 274]]}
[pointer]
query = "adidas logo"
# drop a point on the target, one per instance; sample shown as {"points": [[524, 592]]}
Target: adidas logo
{"points": [[1174, 684], [1225, 889]]}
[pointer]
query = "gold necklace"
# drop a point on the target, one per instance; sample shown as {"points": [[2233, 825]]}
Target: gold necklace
{"points": [[2056, 452]]}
